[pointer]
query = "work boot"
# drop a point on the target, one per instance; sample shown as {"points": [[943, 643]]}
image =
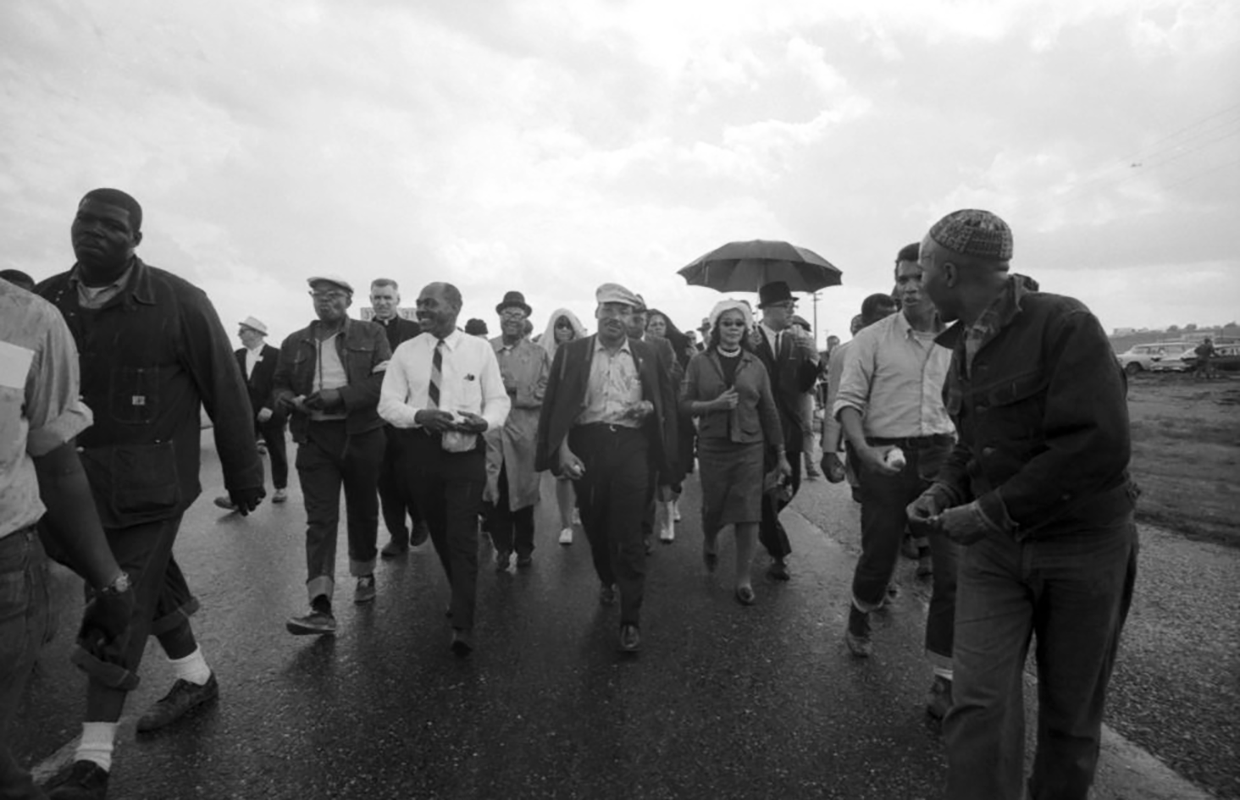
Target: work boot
{"points": [[939, 698], [83, 780], [857, 636]]}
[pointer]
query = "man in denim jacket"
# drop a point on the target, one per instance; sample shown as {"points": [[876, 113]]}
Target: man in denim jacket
{"points": [[328, 378], [1037, 492], [153, 353]]}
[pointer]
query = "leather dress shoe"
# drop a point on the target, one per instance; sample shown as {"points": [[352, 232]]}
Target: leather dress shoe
{"points": [[183, 698], [83, 780], [630, 638], [462, 642], [394, 549], [778, 570], [421, 532]]}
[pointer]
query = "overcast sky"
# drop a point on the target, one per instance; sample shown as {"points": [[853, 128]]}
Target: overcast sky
{"points": [[551, 146]]}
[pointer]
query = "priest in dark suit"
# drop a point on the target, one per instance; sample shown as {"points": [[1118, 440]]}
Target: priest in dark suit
{"points": [[608, 420], [792, 363], [257, 361]]}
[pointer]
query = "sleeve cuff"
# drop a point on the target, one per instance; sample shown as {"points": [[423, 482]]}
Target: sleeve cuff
{"points": [[55, 432]]}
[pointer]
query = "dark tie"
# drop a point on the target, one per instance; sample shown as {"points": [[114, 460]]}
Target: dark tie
{"points": [[432, 391]]}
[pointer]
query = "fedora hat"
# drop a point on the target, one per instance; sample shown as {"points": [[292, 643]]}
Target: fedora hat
{"points": [[254, 324], [513, 300], [774, 292]]}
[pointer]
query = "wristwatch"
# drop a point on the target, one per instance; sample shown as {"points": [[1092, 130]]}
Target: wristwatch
{"points": [[119, 585]]}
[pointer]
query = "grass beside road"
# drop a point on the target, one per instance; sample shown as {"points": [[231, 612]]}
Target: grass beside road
{"points": [[1186, 454]]}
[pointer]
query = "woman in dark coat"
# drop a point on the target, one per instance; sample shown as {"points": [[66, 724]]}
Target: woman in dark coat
{"points": [[727, 388]]}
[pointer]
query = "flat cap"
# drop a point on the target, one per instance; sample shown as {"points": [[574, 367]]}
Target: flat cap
{"points": [[615, 293], [972, 232], [333, 279]]}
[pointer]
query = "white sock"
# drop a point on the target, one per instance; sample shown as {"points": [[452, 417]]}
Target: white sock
{"points": [[98, 739], [192, 668], [943, 672]]}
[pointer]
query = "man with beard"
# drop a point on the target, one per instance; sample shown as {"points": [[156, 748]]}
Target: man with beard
{"points": [[1037, 495], [608, 420], [441, 391], [152, 353], [394, 497], [890, 406], [328, 379]]}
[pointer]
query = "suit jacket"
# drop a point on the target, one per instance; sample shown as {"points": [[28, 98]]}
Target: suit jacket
{"points": [[566, 399], [793, 371], [261, 383]]}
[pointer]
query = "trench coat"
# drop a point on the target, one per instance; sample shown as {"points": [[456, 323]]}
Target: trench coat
{"points": [[524, 369]]}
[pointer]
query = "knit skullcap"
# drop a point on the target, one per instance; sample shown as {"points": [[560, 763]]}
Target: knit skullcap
{"points": [[972, 232]]}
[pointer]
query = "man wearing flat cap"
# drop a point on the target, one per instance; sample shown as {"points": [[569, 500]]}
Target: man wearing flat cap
{"points": [[257, 361], [792, 364], [153, 355], [609, 418], [1038, 496], [512, 483], [328, 379]]}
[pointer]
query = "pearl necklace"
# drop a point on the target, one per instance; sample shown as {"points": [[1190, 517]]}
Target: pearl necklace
{"points": [[729, 353]]}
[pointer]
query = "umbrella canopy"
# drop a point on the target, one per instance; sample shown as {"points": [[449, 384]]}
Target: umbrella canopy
{"points": [[746, 266]]}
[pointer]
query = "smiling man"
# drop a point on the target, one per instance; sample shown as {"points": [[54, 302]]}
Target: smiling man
{"points": [[328, 379], [152, 353], [443, 390]]}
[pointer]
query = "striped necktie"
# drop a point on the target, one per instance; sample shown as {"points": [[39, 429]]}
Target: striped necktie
{"points": [[432, 391]]}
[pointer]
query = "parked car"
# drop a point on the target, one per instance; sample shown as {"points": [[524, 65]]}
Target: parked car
{"points": [[1142, 357], [1226, 359]]}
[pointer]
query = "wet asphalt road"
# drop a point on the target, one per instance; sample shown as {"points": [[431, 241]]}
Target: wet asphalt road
{"points": [[722, 701]]}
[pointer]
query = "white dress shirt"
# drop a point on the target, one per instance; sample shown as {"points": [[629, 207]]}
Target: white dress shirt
{"points": [[470, 380], [253, 355]]}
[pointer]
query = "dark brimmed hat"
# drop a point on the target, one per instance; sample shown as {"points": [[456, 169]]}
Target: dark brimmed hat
{"points": [[774, 292], [513, 300], [972, 232], [476, 327]]}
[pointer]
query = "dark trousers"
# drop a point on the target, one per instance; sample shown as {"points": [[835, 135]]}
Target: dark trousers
{"points": [[771, 531], [510, 530], [272, 432], [26, 624], [611, 496], [394, 496], [883, 520], [329, 459], [1071, 592], [448, 490]]}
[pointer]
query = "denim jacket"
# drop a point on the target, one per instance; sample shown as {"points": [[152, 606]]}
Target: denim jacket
{"points": [[364, 351], [151, 357], [755, 418], [1042, 415]]}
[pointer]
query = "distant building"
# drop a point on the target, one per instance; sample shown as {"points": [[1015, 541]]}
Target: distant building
{"points": [[1124, 331], [368, 313]]}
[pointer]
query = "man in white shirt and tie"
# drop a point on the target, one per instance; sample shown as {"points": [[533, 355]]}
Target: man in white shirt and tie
{"points": [[442, 390]]}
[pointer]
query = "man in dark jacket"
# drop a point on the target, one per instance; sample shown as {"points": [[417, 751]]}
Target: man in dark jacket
{"points": [[395, 499], [153, 353], [1037, 493], [257, 361], [328, 378], [608, 419], [792, 364]]}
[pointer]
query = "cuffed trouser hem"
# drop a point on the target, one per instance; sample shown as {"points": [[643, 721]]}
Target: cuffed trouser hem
{"points": [[360, 569], [175, 618], [938, 660], [321, 586], [113, 676], [865, 607]]}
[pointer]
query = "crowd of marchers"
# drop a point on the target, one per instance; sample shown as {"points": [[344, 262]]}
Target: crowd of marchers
{"points": [[981, 423]]}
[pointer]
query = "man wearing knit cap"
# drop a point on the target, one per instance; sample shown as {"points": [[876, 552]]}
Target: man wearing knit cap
{"points": [[608, 419], [328, 380], [1038, 495]]}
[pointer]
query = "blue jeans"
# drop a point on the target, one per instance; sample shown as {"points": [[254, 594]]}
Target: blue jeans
{"points": [[1072, 592], [25, 626]]}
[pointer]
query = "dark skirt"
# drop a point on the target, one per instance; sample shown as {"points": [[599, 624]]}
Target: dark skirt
{"points": [[731, 476]]}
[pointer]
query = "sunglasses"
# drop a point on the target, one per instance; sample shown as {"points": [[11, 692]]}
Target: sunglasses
{"points": [[732, 324]]}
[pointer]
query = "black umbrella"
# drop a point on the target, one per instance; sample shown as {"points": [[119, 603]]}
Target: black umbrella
{"points": [[746, 266]]}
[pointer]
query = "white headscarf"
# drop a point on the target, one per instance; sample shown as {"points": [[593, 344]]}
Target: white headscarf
{"points": [[729, 305], [548, 338]]}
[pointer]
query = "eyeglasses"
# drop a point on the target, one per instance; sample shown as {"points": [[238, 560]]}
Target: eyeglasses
{"points": [[335, 294], [731, 323], [512, 313]]}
